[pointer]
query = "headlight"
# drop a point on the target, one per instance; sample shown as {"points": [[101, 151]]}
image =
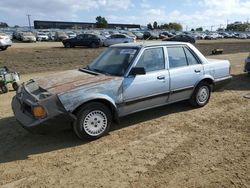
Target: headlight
{"points": [[39, 111]]}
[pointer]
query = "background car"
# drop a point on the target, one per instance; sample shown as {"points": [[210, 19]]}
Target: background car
{"points": [[150, 35], [60, 36], [71, 34], [42, 37], [118, 38], [27, 37], [181, 38], [5, 41], [90, 40]]}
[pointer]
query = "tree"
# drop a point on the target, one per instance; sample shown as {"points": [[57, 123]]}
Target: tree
{"points": [[155, 25], [150, 26], [175, 26], [101, 22], [192, 29], [199, 29], [237, 26], [3, 25]]}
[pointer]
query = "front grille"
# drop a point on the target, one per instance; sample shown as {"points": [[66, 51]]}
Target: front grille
{"points": [[26, 108]]}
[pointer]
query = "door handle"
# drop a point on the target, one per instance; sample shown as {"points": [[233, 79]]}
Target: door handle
{"points": [[197, 71], [161, 77]]}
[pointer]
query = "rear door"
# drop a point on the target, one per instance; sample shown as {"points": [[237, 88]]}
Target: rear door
{"points": [[185, 71], [149, 90]]}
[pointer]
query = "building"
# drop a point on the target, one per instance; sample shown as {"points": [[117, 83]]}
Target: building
{"points": [[38, 24]]}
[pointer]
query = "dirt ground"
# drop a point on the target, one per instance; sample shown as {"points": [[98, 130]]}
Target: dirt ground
{"points": [[172, 146]]}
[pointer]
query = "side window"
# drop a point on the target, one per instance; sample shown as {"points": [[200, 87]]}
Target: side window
{"points": [[79, 37], [152, 59], [176, 57], [190, 58]]}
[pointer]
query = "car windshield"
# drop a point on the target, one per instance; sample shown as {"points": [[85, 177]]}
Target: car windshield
{"points": [[113, 61]]}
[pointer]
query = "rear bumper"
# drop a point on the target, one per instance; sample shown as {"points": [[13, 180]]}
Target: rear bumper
{"points": [[221, 82], [54, 121]]}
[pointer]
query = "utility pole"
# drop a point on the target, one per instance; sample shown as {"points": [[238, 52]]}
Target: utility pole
{"points": [[28, 15], [212, 27]]}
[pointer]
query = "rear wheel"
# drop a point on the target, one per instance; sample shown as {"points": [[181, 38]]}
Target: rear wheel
{"points": [[93, 121], [4, 88], [15, 86], [201, 95]]}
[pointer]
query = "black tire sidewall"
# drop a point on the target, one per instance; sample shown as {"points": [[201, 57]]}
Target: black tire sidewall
{"points": [[67, 45], [15, 86], [4, 89], [194, 100], [83, 112]]}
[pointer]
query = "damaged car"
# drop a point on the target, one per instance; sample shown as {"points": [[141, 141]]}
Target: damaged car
{"points": [[124, 79]]}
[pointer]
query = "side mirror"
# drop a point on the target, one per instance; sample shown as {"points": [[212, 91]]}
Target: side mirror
{"points": [[137, 71]]}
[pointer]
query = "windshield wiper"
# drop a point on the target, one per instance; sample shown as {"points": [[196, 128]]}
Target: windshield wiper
{"points": [[100, 71]]}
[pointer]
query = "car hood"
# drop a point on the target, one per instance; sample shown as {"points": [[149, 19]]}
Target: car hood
{"points": [[68, 80]]}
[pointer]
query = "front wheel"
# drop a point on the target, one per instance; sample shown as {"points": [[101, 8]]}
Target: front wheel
{"points": [[201, 95], [93, 45], [93, 121], [67, 45]]}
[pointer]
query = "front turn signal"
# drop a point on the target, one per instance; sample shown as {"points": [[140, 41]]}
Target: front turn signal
{"points": [[39, 111]]}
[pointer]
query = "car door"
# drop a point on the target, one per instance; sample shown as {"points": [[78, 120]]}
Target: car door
{"points": [[79, 40], [149, 90], [185, 71]]}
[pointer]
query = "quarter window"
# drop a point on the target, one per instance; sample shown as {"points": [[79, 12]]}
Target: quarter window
{"points": [[177, 57], [190, 57], [152, 60]]}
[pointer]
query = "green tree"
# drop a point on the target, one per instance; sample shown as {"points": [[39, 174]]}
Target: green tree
{"points": [[3, 25], [237, 26], [101, 22], [199, 29], [150, 26], [155, 25]]}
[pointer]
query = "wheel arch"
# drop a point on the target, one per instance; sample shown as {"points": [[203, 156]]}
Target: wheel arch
{"points": [[208, 80], [106, 102]]}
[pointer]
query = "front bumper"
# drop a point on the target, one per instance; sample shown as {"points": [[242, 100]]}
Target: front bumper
{"points": [[5, 43], [220, 83], [57, 118]]}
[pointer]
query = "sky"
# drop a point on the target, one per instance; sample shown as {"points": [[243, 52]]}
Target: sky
{"points": [[189, 13]]}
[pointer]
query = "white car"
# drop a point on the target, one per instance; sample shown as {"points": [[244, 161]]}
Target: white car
{"points": [[71, 35], [42, 37], [5, 41], [118, 38], [28, 37]]}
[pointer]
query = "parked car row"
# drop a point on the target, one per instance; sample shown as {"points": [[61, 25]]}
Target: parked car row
{"points": [[95, 40]]}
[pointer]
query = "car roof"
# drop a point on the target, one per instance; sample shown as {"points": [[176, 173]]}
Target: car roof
{"points": [[148, 44]]}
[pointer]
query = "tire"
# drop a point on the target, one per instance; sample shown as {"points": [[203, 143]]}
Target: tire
{"points": [[93, 45], [201, 95], [93, 121], [4, 48], [67, 45], [4, 88], [15, 86]]}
